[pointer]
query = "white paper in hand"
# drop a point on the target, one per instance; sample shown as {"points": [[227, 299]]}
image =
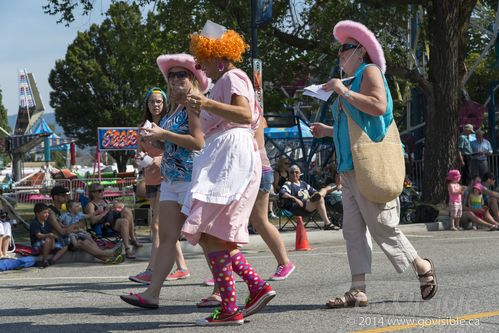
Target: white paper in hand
{"points": [[147, 124], [145, 162], [316, 91]]}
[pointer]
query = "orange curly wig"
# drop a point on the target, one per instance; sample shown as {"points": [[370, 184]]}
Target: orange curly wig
{"points": [[230, 46]]}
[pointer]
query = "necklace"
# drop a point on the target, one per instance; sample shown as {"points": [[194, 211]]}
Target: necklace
{"points": [[171, 113]]}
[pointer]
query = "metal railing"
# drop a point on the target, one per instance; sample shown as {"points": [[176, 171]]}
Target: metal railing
{"points": [[120, 189], [416, 174]]}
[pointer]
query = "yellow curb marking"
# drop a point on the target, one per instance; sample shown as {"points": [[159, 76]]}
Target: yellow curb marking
{"points": [[431, 322]]}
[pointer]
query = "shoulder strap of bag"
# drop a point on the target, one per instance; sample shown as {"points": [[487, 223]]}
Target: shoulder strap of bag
{"points": [[358, 136]]}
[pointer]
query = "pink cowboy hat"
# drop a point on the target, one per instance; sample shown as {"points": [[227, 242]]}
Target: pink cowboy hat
{"points": [[168, 61], [454, 175], [351, 29]]}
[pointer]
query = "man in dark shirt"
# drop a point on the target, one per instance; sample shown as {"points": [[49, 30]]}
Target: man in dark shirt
{"points": [[301, 199]]}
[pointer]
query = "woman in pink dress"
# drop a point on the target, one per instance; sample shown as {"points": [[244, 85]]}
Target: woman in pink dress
{"points": [[226, 174]]}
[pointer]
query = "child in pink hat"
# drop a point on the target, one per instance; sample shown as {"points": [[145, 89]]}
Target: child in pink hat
{"points": [[455, 197]]}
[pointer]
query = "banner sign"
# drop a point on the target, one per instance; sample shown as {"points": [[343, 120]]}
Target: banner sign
{"points": [[257, 81], [263, 12], [117, 138]]}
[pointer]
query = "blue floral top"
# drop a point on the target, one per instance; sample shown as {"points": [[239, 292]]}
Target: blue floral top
{"points": [[176, 164]]}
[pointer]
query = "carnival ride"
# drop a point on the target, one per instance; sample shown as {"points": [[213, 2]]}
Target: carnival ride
{"points": [[30, 129]]}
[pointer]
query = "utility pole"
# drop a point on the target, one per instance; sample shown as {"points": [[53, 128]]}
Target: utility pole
{"points": [[256, 63]]}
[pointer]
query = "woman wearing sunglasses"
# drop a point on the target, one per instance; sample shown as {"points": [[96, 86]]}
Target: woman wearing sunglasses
{"points": [[181, 134], [111, 218], [369, 103]]}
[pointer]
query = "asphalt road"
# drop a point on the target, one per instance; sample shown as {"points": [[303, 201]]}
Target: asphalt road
{"points": [[83, 297]]}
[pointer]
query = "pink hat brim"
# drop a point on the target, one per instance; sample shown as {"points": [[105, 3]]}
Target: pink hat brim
{"points": [[168, 61], [351, 29]]}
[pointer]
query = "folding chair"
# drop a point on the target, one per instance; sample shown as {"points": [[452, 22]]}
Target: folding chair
{"points": [[334, 208], [289, 218], [312, 218]]}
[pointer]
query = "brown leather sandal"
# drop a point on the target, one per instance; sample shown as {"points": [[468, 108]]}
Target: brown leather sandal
{"points": [[428, 284], [349, 302]]}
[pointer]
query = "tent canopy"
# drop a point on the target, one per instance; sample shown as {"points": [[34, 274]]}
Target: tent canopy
{"points": [[56, 142], [291, 133]]}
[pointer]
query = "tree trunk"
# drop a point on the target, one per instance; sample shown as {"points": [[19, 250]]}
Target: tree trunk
{"points": [[121, 158], [440, 153]]}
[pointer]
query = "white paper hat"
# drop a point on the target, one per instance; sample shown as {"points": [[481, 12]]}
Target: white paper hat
{"points": [[213, 30]]}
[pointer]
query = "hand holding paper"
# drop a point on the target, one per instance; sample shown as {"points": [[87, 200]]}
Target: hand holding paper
{"points": [[316, 90], [145, 162], [147, 125]]}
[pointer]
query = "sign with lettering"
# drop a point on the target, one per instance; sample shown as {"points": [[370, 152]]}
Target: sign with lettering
{"points": [[117, 138], [257, 81]]}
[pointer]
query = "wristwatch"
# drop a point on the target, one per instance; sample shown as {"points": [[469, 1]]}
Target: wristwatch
{"points": [[347, 94]]}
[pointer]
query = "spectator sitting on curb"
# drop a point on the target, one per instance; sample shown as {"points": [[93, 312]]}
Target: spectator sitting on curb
{"points": [[59, 196], [5, 236], [301, 199], [113, 216], [75, 216], [42, 238], [469, 218], [489, 181]]}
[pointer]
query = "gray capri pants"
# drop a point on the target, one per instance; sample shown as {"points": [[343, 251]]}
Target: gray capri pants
{"points": [[363, 219]]}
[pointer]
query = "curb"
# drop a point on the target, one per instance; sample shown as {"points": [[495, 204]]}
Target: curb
{"points": [[315, 237], [256, 243]]}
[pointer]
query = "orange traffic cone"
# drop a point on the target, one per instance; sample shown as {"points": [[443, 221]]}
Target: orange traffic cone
{"points": [[301, 236]]}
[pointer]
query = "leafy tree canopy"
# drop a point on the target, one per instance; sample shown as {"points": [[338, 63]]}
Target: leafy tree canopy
{"points": [[105, 73], [107, 68], [3, 116]]}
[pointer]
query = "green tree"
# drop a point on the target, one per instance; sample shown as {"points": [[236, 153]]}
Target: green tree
{"points": [[3, 115], [5, 125], [103, 77]]}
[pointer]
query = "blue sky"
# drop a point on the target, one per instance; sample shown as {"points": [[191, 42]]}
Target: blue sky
{"points": [[33, 40]]}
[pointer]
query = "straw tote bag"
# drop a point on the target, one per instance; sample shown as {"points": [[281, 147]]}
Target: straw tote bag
{"points": [[379, 166]]}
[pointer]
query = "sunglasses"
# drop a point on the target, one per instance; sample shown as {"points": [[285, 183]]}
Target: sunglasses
{"points": [[99, 190], [346, 47], [180, 75]]}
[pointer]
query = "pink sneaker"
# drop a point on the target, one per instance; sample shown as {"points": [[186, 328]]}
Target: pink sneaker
{"points": [[282, 272], [145, 277], [217, 318], [209, 282], [179, 274], [257, 303]]}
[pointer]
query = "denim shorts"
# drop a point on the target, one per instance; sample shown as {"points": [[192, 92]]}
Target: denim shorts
{"points": [[152, 191], [266, 182], [40, 242]]}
